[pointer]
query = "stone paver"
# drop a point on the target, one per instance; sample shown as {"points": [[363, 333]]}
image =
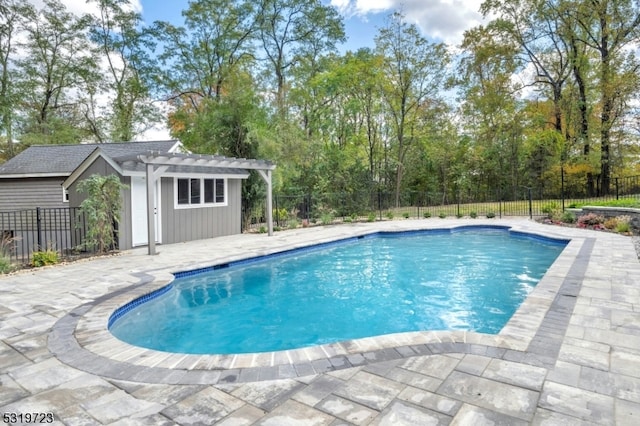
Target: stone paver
{"points": [[570, 355]]}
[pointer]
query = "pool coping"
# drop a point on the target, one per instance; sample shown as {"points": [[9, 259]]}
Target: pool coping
{"points": [[81, 338]]}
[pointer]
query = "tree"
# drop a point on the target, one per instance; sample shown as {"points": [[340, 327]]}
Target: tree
{"points": [[56, 60], [610, 26], [12, 14], [414, 70], [291, 29], [214, 44], [490, 110], [125, 47]]}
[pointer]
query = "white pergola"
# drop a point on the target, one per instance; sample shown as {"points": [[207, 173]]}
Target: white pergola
{"points": [[157, 164]]}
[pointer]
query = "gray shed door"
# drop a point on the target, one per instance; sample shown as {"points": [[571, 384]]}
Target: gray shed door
{"points": [[139, 236]]}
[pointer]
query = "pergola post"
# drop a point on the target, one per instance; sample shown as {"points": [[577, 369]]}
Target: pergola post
{"points": [[151, 202], [266, 175]]}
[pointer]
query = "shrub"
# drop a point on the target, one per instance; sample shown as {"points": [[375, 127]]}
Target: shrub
{"points": [[568, 217], [426, 215], [280, 214], [5, 260], [491, 215], [371, 217], [102, 209], [5, 264], [623, 228], [590, 219], [326, 218], [406, 215], [623, 224], [348, 219], [442, 215], [353, 216], [262, 230], [611, 223], [292, 223], [389, 215], [44, 258], [473, 215], [550, 208]]}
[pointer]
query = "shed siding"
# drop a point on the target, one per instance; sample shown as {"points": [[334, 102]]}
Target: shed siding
{"points": [[180, 225], [29, 193], [125, 238]]}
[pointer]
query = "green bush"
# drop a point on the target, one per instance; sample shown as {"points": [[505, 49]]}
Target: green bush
{"points": [[262, 230], [442, 215], [292, 223], [371, 217], [406, 215], [389, 215], [5, 264], [623, 228], [326, 218], [491, 215], [5, 261], [280, 214], [426, 215], [550, 208], [44, 258], [623, 224], [102, 208], [568, 217], [473, 215]]}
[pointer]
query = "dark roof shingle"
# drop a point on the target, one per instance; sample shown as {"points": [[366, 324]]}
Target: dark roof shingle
{"points": [[64, 159]]}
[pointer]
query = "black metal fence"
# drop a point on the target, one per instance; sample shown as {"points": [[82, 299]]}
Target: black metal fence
{"points": [[290, 210], [23, 232]]}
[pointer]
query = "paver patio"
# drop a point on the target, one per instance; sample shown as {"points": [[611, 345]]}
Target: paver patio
{"points": [[570, 355]]}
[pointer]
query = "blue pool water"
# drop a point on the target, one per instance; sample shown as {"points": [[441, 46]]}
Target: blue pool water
{"points": [[466, 279]]}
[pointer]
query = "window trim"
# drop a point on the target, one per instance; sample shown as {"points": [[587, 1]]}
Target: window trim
{"points": [[202, 196]]}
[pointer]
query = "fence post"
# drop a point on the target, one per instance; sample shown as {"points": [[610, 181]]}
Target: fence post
{"points": [[530, 204], [380, 203], [617, 190], [39, 228], [562, 184]]}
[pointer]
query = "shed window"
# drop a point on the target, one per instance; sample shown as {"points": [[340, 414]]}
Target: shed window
{"points": [[200, 192]]}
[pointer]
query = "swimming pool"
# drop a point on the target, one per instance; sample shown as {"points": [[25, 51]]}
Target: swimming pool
{"points": [[471, 278]]}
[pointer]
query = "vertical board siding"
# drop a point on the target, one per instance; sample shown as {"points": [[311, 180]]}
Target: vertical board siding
{"points": [[179, 225]]}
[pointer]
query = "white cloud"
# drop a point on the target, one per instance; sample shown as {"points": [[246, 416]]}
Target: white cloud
{"points": [[444, 20]]}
